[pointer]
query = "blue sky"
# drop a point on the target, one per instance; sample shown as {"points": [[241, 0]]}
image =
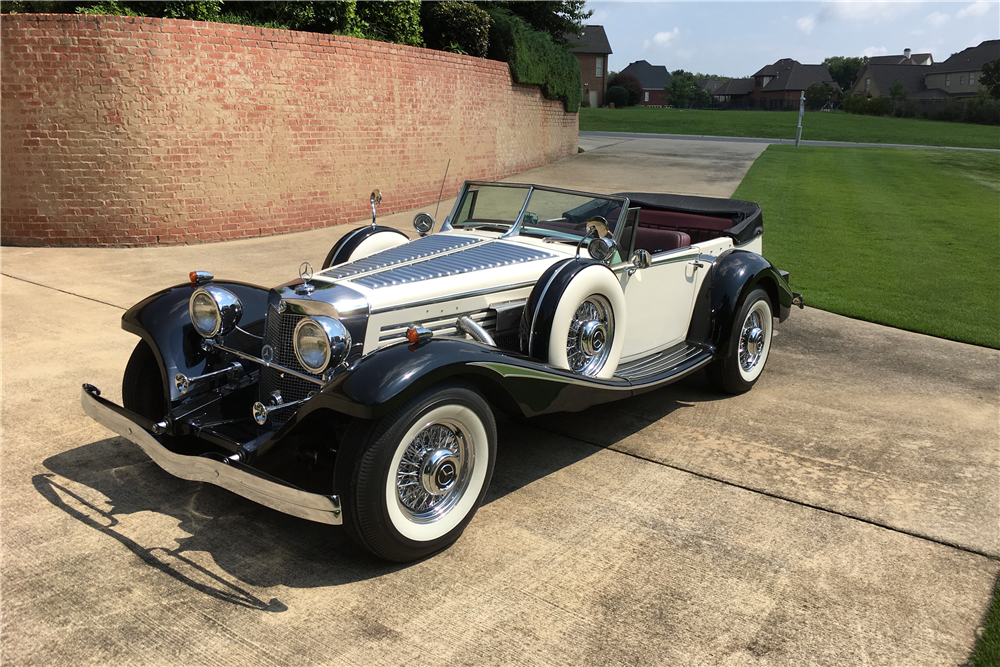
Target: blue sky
{"points": [[738, 38]]}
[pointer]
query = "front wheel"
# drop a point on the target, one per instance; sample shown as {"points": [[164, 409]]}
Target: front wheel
{"points": [[412, 481], [749, 345]]}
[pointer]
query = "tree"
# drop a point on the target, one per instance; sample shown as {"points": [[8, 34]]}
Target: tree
{"points": [[991, 78], [819, 94], [684, 90], [897, 92], [558, 18], [631, 83], [844, 70]]}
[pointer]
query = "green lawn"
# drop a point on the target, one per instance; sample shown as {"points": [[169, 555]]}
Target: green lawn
{"points": [[816, 126], [987, 653], [907, 238]]}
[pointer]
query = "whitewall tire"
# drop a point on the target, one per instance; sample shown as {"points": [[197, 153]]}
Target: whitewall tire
{"points": [[588, 328], [411, 481], [749, 346]]}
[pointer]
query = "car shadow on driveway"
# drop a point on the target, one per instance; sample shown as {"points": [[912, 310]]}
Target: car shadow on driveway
{"points": [[224, 546]]}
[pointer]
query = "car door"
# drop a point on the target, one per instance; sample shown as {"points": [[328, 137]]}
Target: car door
{"points": [[659, 300]]}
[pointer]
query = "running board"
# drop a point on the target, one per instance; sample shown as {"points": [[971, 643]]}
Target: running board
{"points": [[670, 364]]}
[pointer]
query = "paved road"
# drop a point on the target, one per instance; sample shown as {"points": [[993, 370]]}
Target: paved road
{"points": [[605, 138], [840, 513]]}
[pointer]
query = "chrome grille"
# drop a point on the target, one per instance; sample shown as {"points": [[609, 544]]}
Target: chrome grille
{"points": [[279, 332]]}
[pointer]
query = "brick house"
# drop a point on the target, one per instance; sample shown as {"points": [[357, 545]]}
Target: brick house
{"points": [[653, 78], [780, 85], [737, 92], [592, 53], [957, 77]]}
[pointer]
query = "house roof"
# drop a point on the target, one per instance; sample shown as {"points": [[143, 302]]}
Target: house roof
{"points": [[711, 85], [914, 59], [911, 77], [735, 87], [650, 76], [788, 74], [972, 58], [593, 39]]}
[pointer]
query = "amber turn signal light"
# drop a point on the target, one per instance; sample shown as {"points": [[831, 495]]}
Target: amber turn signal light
{"points": [[417, 334], [200, 277]]}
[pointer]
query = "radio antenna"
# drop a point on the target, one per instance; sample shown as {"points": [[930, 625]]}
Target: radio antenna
{"points": [[448, 166]]}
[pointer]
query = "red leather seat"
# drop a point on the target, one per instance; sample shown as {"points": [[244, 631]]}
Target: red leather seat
{"points": [[660, 240]]}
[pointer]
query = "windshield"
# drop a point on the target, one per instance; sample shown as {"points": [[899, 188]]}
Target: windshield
{"points": [[548, 213]]}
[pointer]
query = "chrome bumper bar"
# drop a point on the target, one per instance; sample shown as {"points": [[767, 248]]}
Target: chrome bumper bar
{"points": [[240, 479]]}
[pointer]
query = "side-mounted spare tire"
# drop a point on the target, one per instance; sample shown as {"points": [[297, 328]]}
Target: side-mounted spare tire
{"points": [[575, 318], [363, 242]]}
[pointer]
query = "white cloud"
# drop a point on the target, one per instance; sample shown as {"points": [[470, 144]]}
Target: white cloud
{"points": [[806, 24], [873, 51], [685, 54], [975, 9], [663, 38], [937, 19]]}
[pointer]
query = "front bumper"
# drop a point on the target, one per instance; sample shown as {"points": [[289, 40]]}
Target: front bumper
{"points": [[238, 478]]}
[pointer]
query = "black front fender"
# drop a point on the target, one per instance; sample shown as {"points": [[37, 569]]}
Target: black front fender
{"points": [[162, 320], [734, 276]]}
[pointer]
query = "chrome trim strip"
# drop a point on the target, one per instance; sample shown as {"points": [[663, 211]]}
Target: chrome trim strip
{"points": [[452, 297], [506, 370], [241, 480], [250, 357]]}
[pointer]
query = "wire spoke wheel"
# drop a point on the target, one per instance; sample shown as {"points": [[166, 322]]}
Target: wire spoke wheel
{"points": [[591, 333], [434, 471], [752, 340]]}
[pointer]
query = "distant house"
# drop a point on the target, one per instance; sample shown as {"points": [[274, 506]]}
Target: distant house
{"points": [[737, 92], [875, 81], [779, 86], [957, 77], [711, 85], [592, 53], [653, 78], [922, 59]]}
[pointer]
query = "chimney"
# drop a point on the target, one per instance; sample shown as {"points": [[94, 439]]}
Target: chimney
{"points": [[906, 54]]}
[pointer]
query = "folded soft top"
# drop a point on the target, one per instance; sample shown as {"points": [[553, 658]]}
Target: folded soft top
{"points": [[746, 216]]}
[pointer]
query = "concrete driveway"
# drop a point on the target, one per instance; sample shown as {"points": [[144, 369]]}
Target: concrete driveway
{"points": [[840, 513]]}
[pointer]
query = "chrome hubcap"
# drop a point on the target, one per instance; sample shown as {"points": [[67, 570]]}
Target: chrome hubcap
{"points": [[435, 471], [590, 335], [752, 340]]}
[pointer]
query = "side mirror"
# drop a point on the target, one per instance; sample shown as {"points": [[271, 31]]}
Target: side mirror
{"points": [[641, 259], [602, 249], [423, 223]]}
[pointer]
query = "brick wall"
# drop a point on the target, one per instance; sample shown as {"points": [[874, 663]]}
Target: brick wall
{"points": [[138, 131]]}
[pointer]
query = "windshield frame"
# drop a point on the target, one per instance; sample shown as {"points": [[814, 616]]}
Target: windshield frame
{"points": [[515, 229]]}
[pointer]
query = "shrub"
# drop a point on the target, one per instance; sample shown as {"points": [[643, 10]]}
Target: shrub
{"points": [[457, 27], [629, 82], [868, 106], [389, 21], [535, 59], [818, 94], [617, 95]]}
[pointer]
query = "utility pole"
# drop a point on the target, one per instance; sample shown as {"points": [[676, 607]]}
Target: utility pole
{"points": [[802, 112]]}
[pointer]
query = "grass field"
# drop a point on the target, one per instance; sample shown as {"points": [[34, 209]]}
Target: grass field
{"points": [[816, 126], [907, 238]]}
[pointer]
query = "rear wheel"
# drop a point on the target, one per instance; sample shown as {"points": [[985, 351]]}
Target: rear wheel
{"points": [[749, 346], [142, 386], [412, 481]]}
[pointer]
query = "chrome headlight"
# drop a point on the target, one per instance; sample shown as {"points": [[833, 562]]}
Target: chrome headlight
{"points": [[214, 311], [321, 342]]}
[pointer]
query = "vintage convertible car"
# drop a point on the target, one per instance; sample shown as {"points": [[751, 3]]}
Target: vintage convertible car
{"points": [[364, 394]]}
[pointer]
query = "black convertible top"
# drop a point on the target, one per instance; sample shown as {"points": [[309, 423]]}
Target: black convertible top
{"points": [[745, 216]]}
